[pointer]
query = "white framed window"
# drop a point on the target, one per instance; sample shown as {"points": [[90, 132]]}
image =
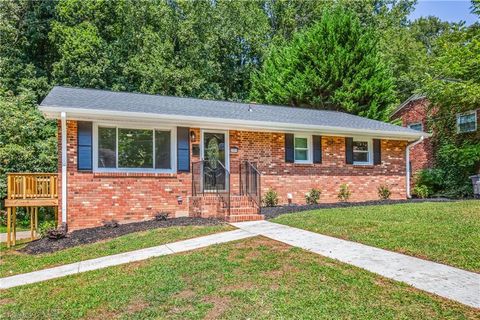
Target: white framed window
{"points": [[302, 145], [362, 151], [125, 148], [416, 126], [467, 122]]}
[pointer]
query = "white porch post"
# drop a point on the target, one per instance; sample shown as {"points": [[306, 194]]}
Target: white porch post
{"points": [[64, 167]]}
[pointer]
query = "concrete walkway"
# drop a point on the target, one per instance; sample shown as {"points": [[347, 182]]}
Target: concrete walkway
{"points": [[452, 283], [20, 235], [122, 258]]}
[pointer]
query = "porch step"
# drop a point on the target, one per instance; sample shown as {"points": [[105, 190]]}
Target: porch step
{"points": [[243, 210], [244, 217], [241, 201]]}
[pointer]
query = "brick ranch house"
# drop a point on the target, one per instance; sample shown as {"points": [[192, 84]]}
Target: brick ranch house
{"points": [[414, 113], [128, 156]]}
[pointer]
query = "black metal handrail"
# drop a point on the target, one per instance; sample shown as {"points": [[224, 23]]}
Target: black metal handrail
{"points": [[250, 182], [206, 179]]}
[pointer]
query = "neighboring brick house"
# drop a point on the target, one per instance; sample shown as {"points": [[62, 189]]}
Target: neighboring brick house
{"points": [[127, 156], [414, 114]]}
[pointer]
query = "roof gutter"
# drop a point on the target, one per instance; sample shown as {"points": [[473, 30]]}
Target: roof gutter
{"points": [[92, 114], [407, 157]]}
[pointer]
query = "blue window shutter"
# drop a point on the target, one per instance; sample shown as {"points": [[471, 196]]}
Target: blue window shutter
{"points": [[377, 151], [349, 150], [183, 149], [289, 148], [317, 149], [84, 145]]}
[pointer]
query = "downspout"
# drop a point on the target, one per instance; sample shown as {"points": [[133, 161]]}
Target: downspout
{"points": [[64, 168], [407, 157]]}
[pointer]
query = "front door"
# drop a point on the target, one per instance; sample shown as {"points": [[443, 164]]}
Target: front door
{"points": [[214, 152]]}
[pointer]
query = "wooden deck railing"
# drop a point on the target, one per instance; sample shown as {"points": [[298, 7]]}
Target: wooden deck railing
{"points": [[24, 189], [32, 185], [29, 190]]}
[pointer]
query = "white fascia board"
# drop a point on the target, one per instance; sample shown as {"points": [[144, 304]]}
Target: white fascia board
{"points": [[53, 112]]}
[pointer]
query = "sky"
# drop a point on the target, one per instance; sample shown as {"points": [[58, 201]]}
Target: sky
{"points": [[447, 10]]}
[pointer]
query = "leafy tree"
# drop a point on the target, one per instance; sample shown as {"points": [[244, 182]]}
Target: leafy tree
{"points": [[27, 141], [453, 86], [25, 54], [333, 65]]}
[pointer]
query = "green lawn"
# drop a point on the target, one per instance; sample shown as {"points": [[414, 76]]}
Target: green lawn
{"points": [[254, 278], [444, 232], [13, 262]]}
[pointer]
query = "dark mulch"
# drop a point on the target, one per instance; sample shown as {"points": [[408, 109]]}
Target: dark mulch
{"points": [[273, 212], [92, 235]]}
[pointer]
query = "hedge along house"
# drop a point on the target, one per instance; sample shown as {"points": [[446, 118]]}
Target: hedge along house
{"points": [[128, 156]]}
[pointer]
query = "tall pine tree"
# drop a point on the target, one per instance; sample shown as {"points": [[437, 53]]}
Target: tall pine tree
{"points": [[333, 65]]}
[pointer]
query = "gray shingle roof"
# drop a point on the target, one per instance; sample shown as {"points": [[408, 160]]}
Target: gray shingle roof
{"points": [[102, 100]]}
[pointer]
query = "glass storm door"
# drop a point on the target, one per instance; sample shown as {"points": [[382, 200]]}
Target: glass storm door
{"points": [[214, 146]]}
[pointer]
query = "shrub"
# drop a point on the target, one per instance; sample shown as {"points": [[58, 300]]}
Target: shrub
{"points": [[162, 216], [344, 193], [271, 198], [458, 163], [421, 191], [45, 227], [110, 224], [57, 233], [433, 179], [312, 196], [384, 192]]}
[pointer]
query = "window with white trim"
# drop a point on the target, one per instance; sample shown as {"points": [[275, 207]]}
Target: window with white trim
{"points": [[416, 126], [467, 122], [133, 149], [362, 151], [302, 147]]}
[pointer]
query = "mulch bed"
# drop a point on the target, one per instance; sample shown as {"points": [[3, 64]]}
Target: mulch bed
{"points": [[273, 212], [91, 235]]}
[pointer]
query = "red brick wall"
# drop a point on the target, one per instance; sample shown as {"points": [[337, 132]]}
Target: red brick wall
{"points": [[268, 150], [421, 155], [94, 198]]}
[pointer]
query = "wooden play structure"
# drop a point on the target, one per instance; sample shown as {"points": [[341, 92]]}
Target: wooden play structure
{"points": [[30, 191]]}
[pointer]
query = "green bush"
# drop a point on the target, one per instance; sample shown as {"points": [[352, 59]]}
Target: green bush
{"points": [[384, 192], [46, 227], [271, 198], [458, 163], [431, 178], [344, 193], [421, 191], [313, 196]]}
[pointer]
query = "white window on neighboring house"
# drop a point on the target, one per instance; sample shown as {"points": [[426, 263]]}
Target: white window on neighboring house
{"points": [[362, 151], [302, 146], [467, 122], [416, 126]]}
